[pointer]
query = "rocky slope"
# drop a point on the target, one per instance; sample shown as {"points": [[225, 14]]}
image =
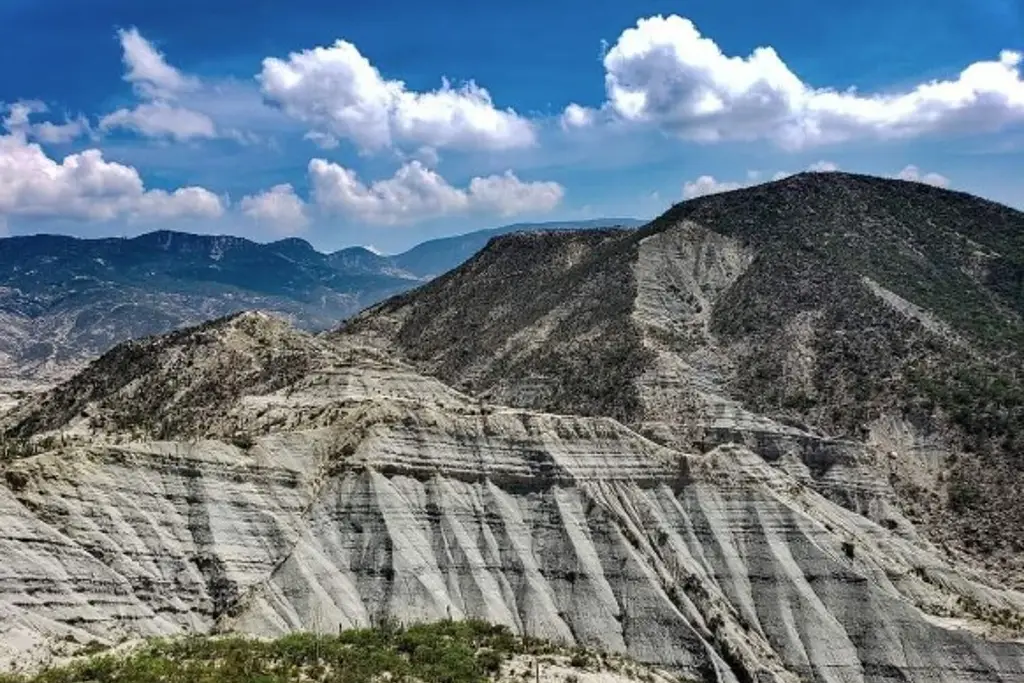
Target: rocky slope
{"points": [[863, 334], [328, 484]]}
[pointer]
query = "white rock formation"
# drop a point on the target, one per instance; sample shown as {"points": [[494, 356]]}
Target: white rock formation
{"points": [[370, 491]]}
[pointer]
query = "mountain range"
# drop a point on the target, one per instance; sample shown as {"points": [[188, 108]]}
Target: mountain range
{"points": [[773, 435], [64, 301]]}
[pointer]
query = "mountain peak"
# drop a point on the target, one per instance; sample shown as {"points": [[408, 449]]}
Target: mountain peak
{"points": [[822, 304]]}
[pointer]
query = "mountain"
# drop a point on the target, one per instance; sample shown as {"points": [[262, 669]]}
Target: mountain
{"points": [[435, 257], [64, 301], [707, 445], [874, 316]]}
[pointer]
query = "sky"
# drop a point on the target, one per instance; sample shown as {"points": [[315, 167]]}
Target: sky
{"points": [[391, 122]]}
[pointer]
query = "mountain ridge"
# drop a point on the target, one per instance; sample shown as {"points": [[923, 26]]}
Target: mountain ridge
{"points": [[65, 300], [765, 301]]}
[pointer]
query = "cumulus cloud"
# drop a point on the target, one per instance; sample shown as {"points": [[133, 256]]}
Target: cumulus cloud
{"points": [[338, 92], [416, 193], [823, 167], [85, 186], [279, 208], [159, 119], [160, 85], [506, 195], [913, 173], [185, 202], [18, 120], [705, 185], [664, 72], [576, 116]]}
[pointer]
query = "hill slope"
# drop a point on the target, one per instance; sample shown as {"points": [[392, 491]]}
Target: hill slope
{"points": [[621, 488], [348, 490], [434, 257], [830, 321], [64, 301]]}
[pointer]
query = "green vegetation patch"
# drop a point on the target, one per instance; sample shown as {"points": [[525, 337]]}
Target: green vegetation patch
{"points": [[445, 652]]}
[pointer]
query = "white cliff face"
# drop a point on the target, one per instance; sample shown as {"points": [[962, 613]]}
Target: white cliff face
{"points": [[376, 492]]}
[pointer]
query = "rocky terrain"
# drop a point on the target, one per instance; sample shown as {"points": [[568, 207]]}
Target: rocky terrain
{"points": [[583, 456], [849, 322], [64, 301]]}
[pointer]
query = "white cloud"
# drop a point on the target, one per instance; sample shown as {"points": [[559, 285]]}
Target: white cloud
{"points": [[160, 85], [338, 92], [823, 167], [185, 202], [147, 69], [18, 120], [417, 193], [664, 72], [705, 185], [85, 186], [506, 195], [576, 116], [913, 173], [322, 140], [158, 119], [278, 208]]}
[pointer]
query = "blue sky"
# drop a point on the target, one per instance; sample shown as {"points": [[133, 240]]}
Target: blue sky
{"points": [[332, 121]]}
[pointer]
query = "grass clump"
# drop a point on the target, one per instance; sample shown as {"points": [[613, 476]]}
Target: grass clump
{"points": [[444, 652]]}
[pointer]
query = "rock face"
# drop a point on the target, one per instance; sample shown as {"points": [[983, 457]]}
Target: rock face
{"points": [[865, 335], [363, 490], [582, 457]]}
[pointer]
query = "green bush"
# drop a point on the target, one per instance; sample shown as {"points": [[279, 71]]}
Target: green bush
{"points": [[445, 652]]}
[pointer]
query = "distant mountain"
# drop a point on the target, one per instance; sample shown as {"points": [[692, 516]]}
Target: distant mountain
{"points": [[432, 258], [64, 301]]}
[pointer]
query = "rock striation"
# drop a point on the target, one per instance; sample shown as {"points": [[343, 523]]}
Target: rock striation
{"points": [[864, 334], [366, 491]]}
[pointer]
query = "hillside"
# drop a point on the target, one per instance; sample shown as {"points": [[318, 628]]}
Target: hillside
{"points": [[246, 477], [822, 314], [434, 257], [64, 301]]}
